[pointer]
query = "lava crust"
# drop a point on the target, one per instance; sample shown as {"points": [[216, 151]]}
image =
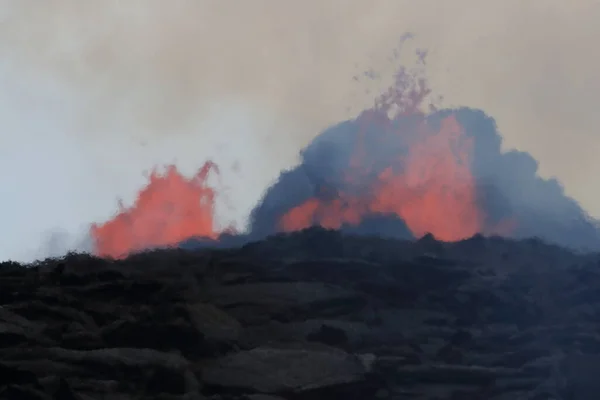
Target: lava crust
{"points": [[314, 314]]}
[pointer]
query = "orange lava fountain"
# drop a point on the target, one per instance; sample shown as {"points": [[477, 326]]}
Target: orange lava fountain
{"points": [[170, 209]]}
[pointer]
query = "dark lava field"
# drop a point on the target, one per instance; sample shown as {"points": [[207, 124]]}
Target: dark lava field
{"points": [[308, 315]]}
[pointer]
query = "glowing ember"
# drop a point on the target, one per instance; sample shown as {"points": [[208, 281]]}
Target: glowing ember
{"points": [[167, 211]]}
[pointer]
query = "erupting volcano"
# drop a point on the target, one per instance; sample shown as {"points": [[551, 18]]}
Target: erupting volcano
{"points": [[394, 170]]}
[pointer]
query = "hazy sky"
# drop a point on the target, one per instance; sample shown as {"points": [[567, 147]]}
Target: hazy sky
{"points": [[94, 93]]}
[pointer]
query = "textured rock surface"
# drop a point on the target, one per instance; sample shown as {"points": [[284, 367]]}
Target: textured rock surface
{"points": [[310, 315]]}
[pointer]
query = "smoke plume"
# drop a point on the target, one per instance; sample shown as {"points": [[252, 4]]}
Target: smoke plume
{"points": [[95, 94]]}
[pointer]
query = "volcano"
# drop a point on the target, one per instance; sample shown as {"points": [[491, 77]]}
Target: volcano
{"points": [[402, 169]]}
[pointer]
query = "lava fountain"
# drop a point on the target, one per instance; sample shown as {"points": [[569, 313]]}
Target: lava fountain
{"points": [[170, 209], [431, 188], [434, 171], [395, 163]]}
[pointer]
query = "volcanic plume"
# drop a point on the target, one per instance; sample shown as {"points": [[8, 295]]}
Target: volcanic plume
{"points": [[402, 168]]}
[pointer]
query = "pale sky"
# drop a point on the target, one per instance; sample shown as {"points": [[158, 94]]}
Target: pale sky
{"points": [[94, 93]]}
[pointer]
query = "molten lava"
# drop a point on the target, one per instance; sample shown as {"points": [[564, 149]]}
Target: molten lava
{"points": [[170, 209], [419, 171], [431, 188]]}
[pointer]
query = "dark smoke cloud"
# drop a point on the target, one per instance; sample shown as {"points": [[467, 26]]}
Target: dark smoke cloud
{"points": [[508, 184]]}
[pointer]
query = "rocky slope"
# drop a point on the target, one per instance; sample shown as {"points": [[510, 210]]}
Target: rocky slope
{"points": [[310, 315]]}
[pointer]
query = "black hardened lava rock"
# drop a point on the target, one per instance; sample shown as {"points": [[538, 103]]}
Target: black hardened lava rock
{"points": [[284, 318]]}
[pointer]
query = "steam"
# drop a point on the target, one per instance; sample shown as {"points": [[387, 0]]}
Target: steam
{"points": [[95, 94]]}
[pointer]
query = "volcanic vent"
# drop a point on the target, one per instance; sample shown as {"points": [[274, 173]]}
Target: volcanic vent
{"points": [[400, 169]]}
